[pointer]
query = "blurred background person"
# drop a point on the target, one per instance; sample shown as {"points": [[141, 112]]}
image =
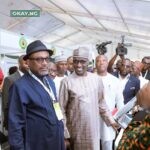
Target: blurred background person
{"points": [[70, 67], [12, 70], [94, 70], [1, 79], [90, 67], [61, 63], [52, 70], [8, 81], [137, 72], [145, 70]]}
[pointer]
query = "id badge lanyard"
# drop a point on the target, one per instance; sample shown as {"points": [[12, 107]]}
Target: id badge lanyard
{"points": [[51, 94]]}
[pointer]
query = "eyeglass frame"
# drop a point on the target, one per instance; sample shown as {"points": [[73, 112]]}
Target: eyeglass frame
{"points": [[40, 59], [83, 62]]}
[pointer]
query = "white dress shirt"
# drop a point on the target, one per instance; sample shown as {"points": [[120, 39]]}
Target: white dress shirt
{"points": [[57, 82], [114, 98]]}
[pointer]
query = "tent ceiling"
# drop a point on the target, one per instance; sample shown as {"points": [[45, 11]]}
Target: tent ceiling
{"points": [[68, 23]]}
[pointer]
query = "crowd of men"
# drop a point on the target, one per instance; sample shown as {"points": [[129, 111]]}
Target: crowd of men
{"points": [[64, 105]]}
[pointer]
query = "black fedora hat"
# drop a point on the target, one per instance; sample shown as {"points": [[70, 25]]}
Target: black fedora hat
{"points": [[36, 46]]}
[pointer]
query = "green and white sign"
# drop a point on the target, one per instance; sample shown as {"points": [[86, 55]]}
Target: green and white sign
{"points": [[23, 43], [24, 13]]}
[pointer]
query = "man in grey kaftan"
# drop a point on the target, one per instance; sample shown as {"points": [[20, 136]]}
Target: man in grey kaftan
{"points": [[81, 99]]}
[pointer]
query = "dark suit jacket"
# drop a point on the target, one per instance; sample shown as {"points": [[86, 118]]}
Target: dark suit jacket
{"points": [[131, 88], [33, 124], [8, 81], [147, 75], [1, 76]]}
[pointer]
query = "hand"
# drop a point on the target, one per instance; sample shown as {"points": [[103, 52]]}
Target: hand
{"points": [[115, 126], [67, 143], [122, 56]]}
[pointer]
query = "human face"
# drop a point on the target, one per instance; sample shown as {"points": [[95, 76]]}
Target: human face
{"points": [[146, 62], [101, 64], [70, 64], [119, 64], [23, 65], [125, 68], [52, 70], [80, 66], [38, 63], [135, 71], [61, 67], [137, 68]]}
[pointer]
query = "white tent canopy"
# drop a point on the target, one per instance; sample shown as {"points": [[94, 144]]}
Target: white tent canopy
{"points": [[71, 23]]}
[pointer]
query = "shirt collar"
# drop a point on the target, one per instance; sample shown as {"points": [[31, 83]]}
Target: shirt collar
{"points": [[126, 77]]}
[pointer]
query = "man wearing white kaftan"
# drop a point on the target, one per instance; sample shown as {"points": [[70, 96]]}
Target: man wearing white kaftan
{"points": [[114, 99], [61, 64], [81, 99]]}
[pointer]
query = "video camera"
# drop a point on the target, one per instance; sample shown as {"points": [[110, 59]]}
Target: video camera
{"points": [[101, 48], [121, 49]]}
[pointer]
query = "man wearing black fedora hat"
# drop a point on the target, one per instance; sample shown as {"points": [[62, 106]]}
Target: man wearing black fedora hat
{"points": [[35, 119]]}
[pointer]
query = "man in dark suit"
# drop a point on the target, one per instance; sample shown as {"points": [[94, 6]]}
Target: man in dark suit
{"points": [[1, 79], [130, 84], [8, 81], [146, 68], [35, 118]]}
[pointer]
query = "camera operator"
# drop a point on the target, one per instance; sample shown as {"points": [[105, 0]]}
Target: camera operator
{"points": [[118, 64], [121, 51]]}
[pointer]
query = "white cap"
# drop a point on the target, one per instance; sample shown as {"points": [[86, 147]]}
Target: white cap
{"points": [[82, 52], [60, 58]]}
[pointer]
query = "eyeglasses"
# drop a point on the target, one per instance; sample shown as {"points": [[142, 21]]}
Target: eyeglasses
{"points": [[146, 63], [79, 61], [40, 59]]}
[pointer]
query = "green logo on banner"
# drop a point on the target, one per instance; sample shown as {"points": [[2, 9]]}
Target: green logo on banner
{"points": [[23, 43], [54, 50], [24, 13]]}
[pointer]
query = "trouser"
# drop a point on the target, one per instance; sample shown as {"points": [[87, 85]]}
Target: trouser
{"points": [[107, 145]]}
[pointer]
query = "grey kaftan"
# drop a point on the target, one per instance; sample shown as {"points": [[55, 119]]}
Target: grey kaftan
{"points": [[81, 99]]}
